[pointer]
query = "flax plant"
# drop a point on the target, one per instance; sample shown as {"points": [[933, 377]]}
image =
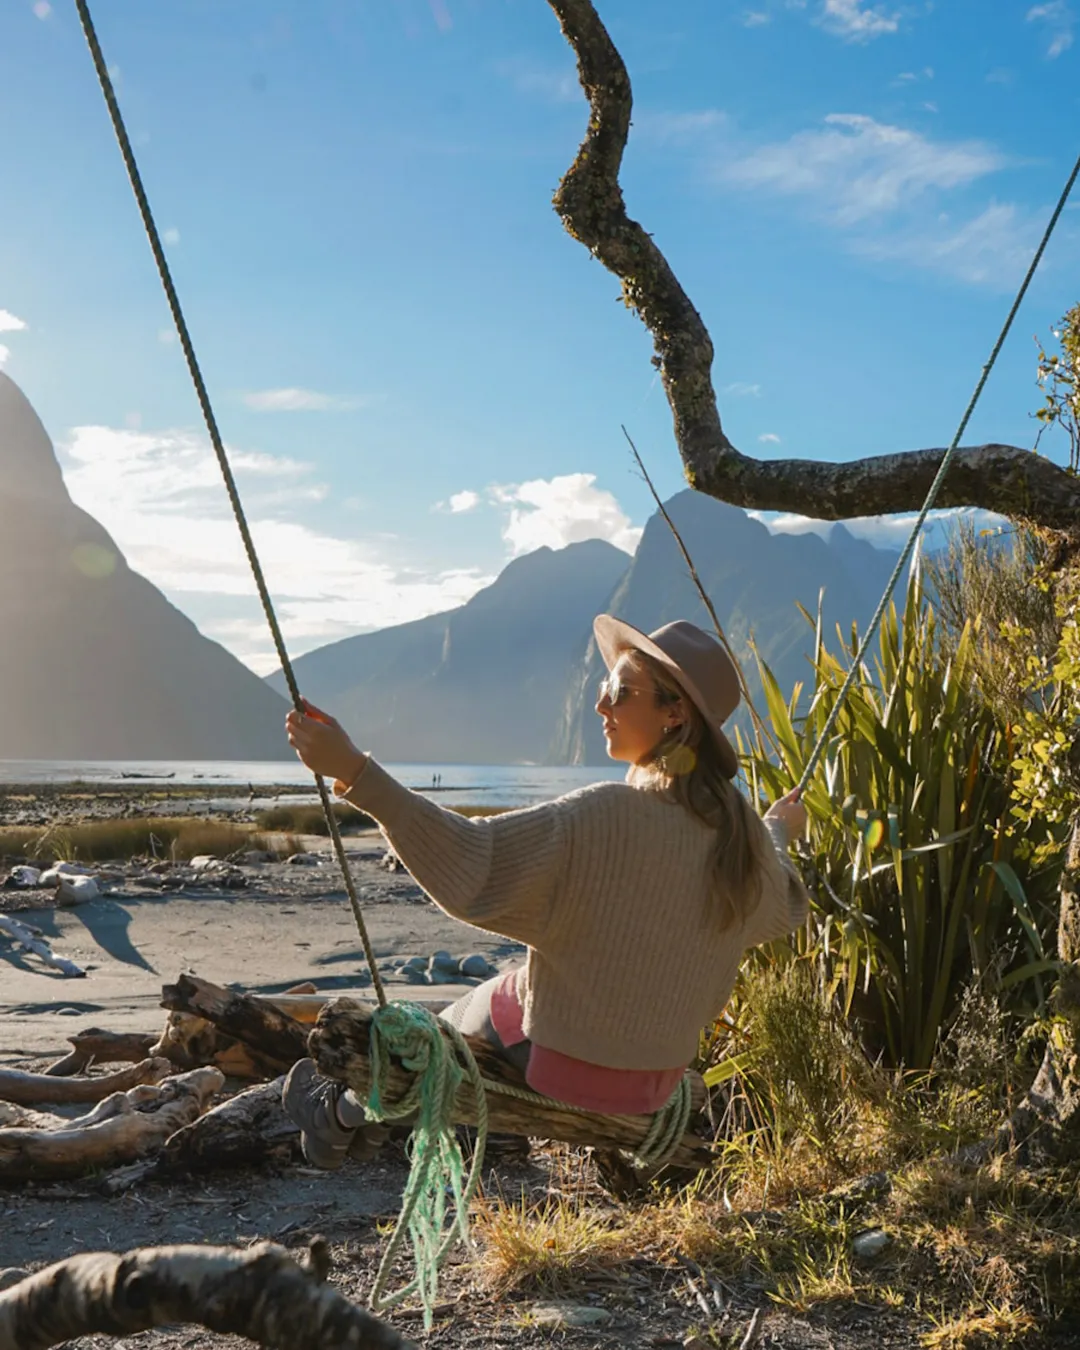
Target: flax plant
{"points": [[909, 854]]}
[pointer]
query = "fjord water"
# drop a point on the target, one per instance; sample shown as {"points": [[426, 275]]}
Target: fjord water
{"points": [[460, 785]]}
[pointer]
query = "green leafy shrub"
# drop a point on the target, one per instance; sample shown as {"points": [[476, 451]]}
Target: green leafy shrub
{"points": [[918, 884]]}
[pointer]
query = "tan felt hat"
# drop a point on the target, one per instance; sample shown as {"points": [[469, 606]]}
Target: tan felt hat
{"points": [[697, 661]]}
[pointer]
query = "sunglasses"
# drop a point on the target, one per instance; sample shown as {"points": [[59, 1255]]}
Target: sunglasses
{"points": [[612, 690]]}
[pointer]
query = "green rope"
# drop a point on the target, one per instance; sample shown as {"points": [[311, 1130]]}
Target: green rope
{"points": [[935, 487], [668, 1127], [408, 1033]]}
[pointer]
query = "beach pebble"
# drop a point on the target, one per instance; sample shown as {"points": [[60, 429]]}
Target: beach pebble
{"points": [[560, 1315], [205, 862], [443, 969], [477, 966], [304, 860], [870, 1243], [54, 874], [415, 963]]}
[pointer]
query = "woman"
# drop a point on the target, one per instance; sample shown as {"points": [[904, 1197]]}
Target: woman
{"points": [[635, 900]]}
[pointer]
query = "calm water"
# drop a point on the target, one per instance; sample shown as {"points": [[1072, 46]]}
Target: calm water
{"points": [[462, 784]]}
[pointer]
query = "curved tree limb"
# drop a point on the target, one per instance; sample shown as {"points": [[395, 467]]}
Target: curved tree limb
{"points": [[261, 1293], [589, 200]]}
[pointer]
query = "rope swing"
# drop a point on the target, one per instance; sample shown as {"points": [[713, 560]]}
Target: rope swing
{"points": [[403, 1031]]}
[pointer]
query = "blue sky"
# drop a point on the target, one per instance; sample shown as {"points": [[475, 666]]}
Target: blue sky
{"points": [[418, 372]]}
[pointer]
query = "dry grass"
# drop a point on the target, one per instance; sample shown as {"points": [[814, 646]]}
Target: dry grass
{"points": [[978, 1258], [172, 838], [310, 819]]}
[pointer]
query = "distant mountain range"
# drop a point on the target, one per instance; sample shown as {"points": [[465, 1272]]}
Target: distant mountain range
{"points": [[95, 662], [510, 677], [482, 684]]}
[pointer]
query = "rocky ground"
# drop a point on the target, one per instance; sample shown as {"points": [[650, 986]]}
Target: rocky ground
{"points": [[263, 927]]}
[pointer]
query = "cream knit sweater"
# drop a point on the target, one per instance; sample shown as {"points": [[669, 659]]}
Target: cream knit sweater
{"points": [[608, 887]]}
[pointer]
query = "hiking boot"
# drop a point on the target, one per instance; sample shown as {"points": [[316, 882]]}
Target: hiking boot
{"points": [[310, 1101]]}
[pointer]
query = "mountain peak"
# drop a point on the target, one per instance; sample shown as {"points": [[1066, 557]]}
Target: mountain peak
{"points": [[28, 466]]}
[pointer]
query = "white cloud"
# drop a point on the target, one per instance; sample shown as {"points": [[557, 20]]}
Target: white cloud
{"points": [[563, 510], [680, 126], [464, 501], [754, 18], [42, 9], [9, 323], [856, 168], [881, 531], [769, 438], [850, 21], [554, 84], [166, 336], [741, 389], [994, 247], [1060, 20], [170, 236], [160, 496], [296, 400]]}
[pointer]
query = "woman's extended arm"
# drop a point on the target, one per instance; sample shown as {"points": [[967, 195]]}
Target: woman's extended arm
{"points": [[497, 873]]}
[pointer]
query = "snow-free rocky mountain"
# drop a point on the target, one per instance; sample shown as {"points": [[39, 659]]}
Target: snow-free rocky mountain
{"points": [[510, 677], [482, 684], [95, 663]]}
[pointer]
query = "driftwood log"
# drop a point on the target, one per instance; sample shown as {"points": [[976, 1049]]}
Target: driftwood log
{"points": [[262, 1293], [248, 1128], [28, 939], [96, 1046], [189, 1042], [278, 1040], [28, 1089], [339, 1046], [124, 1127]]}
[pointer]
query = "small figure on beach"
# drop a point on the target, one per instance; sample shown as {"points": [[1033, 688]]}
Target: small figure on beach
{"points": [[635, 900]]}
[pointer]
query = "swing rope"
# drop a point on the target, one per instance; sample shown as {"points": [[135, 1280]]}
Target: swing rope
{"points": [[401, 1030], [935, 487], [150, 226]]}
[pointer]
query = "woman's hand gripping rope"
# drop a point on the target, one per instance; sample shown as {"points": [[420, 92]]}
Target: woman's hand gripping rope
{"points": [[323, 745]]}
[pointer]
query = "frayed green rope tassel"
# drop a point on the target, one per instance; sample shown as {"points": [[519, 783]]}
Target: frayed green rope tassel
{"points": [[410, 1034]]}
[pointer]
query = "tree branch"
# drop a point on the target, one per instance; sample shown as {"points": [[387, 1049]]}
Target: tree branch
{"points": [[589, 200], [261, 1293]]}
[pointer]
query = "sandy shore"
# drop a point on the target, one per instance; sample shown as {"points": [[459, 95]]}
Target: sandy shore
{"points": [[288, 924]]}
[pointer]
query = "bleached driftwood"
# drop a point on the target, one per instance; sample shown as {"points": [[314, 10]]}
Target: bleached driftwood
{"points": [[262, 1293], [28, 1089], [122, 1128], [248, 1128], [26, 939], [96, 1046], [23, 1117]]}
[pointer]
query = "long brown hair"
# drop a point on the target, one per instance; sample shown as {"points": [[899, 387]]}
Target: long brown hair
{"points": [[685, 765]]}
